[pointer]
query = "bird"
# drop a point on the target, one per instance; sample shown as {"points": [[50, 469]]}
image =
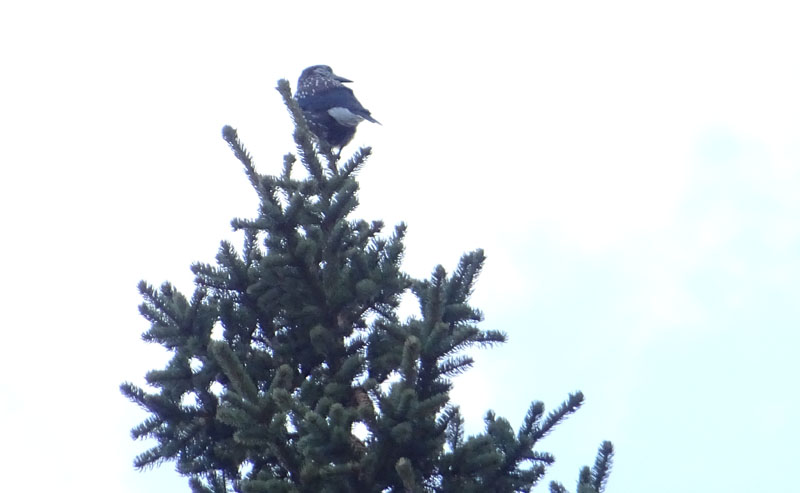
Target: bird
{"points": [[330, 108]]}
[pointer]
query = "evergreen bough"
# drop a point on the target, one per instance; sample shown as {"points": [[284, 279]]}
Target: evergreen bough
{"points": [[291, 371]]}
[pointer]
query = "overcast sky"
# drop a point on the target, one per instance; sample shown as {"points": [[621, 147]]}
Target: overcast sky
{"points": [[631, 169]]}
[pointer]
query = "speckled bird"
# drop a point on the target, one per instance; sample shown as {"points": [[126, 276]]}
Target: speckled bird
{"points": [[330, 108]]}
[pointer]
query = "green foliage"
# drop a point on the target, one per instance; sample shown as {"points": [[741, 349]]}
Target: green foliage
{"points": [[290, 346], [592, 480]]}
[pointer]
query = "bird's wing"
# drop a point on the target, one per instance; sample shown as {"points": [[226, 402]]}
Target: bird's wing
{"points": [[335, 97]]}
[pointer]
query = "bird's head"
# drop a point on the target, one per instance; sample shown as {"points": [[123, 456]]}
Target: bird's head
{"points": [[322, 72]]}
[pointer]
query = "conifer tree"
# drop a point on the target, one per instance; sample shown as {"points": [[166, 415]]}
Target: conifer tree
{"points": [[291, 370]]}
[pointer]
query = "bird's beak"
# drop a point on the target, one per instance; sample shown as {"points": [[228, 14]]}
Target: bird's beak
{"points": [[341, 79]]}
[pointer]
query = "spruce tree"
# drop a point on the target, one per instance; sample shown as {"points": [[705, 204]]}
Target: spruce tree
{"points": [[291, 370]]}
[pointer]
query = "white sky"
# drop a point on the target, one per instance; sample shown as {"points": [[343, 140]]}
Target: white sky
{"points": [[631, 169]]}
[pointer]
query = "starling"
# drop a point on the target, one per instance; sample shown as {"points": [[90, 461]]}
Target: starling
{"points": [[330, 108]]}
